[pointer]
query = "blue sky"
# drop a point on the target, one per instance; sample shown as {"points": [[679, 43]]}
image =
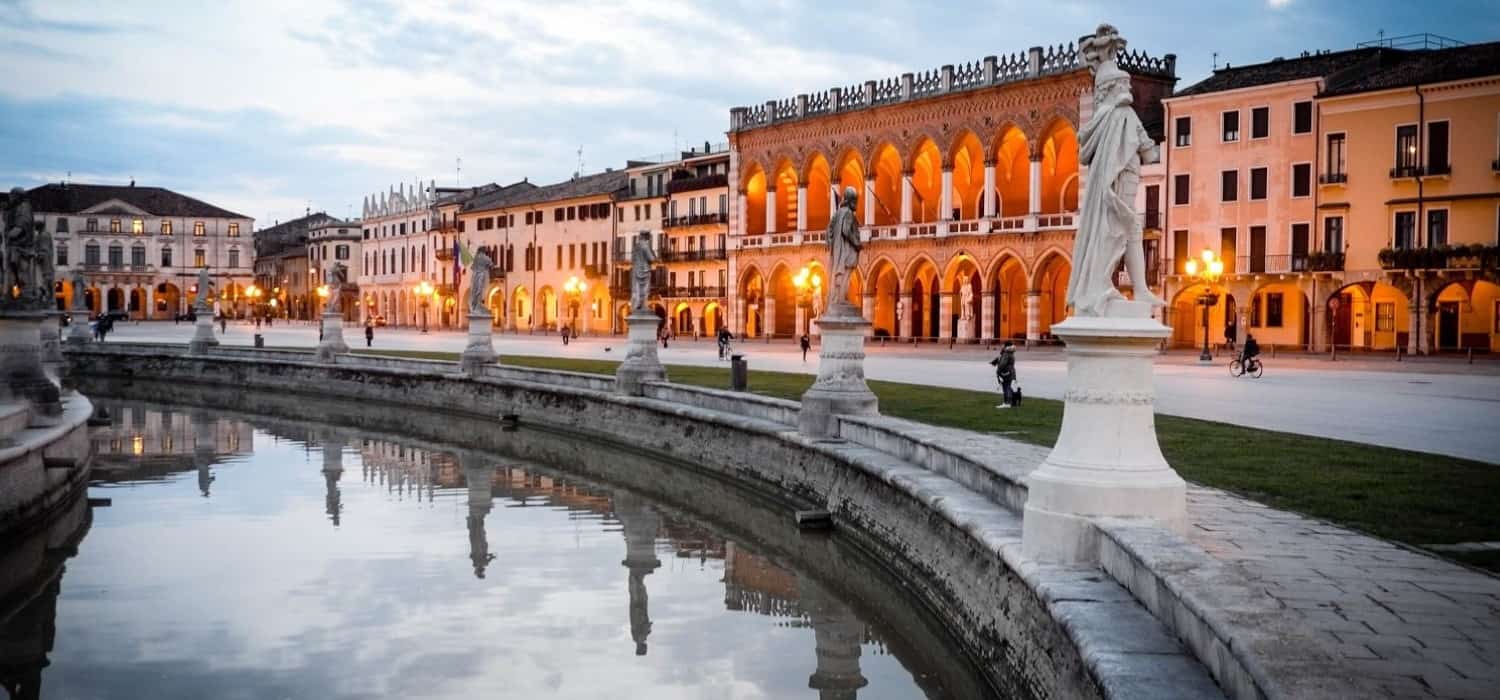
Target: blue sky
{"points": [[270, 106]]}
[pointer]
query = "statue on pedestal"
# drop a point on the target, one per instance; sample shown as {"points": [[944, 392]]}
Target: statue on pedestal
{"points": [[966, 301], [1114, 145], [843, 252], [479, 283], [641, 259], [79, 303], [201, 302], [336, 277], [26, 276]]}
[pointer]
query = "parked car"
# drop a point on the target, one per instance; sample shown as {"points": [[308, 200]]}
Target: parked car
{"points": [[189, 316], [115, 315]]}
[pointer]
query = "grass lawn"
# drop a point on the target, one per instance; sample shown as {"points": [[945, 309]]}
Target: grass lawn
{"points": [[1411, 497]]}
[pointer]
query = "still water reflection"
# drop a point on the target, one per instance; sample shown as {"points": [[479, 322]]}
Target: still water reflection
{"points": [[256, 558]]}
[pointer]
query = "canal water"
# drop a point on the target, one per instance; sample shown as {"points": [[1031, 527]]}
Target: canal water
{"points": [[251, 556]]}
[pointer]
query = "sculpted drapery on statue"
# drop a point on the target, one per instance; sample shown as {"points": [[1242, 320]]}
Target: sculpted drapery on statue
{"points": [[1114, 145], [336, 277], [479, 282], [843, 253], [641, 259], [201, 303], [79, 303], [26, 277]]}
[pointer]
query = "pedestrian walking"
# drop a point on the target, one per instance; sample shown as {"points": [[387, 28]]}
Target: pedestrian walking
{"points": [[806, 343], [223, 324], [1231, 330], [566, 332], [369, 333], [1005, 374]]}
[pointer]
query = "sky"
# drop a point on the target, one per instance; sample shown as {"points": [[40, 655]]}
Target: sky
{"points": [[270, 107]]}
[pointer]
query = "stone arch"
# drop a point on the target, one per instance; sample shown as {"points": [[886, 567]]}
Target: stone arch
{"points": [[849, 171], [925, 164], [889, 170], [967, 156], [751, 294], [785, 180], [818, 175], [1009, 285], [1057, 148], [924, 292], [1050, 283], [1011, 153], [885, 286], [753, 185], [781, 301], [964, 271]]}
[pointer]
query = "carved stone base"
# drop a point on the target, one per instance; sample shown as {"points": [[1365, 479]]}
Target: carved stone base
{"points": [[1106, 462], [332, 343], [641, 363], [480, 350], [203, 332], [78, 330], [840, 388], [22, 377]]}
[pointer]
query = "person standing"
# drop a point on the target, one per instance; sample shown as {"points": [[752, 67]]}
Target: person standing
{"points": [[223, 323], [806, 343], [369, 333], [1231, 330], [1005, 373]]}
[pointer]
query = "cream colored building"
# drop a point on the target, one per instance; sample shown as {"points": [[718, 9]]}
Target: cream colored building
{"points": [[333, 242], [396, 255], [140, 248]]}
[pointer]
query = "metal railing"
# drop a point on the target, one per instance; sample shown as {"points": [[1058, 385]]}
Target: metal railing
{"points": [[698, 292], [698, 255], [1333, 178], [709, 219], [702, 182]]}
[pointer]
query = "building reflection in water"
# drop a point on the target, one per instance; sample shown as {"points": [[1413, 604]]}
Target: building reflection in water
{"points": [[640, 524], [143, 443]]}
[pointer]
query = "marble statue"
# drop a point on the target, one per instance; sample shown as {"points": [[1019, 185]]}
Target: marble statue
{"points": [[479, 282], [843, 249], [336, 277], [201, 302], [966, 301], [79, 303], [641, 258], [26, 278], [1114, 145]]}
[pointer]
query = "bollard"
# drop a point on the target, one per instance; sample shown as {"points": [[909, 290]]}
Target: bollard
{"points": [[1471, 355], [260, 341], [1398, 353], [739, 373]]}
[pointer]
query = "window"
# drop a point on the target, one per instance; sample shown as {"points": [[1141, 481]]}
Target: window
{"points": [[91, 254], [1385, 315], [1273, 310], [572, 259], [1257, 183], [1333, 234], [1301, 240], [198, 228], [1302, 118], [114, 225], [1437, 148], [166, 227], [62, 254], [1229, 189], [1230, 121], [1406, 230], [1179, 251], [116, 256], [62, 225], [648, 210], [234, 257], [341, 252], [1255, 308], [620, 214], [559, 256], [401, 229], [723, 204], [166, 257], [1406, 151], [557, 214], [1260, 122], [1335, 159], [138, 256], [1437, 228], [528, 218], [1228, 248], [1302, 179], [1179, 190], [200, 258], [137, 227], [571, 213], [91, 225]]}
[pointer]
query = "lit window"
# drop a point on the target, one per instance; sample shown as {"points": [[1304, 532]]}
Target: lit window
{"points": [[137, 227], [234, 230], [166, 227], [198, 228], [200, 258], [114, 225]]}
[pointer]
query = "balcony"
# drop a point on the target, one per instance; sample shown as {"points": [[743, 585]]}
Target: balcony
{"points": [[1323, 261], [593, 271], [443, 254], [699, 292], [710, 219], [700, 255], [1404, 172], [1437, 170], [689, 184], [1335, 179], [1457, 257]]}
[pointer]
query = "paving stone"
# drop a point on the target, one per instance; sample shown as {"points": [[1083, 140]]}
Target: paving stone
{"points": [[1461, 688]]}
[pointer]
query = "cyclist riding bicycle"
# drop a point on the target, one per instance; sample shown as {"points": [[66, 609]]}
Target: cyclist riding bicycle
{"points": [[724, 337], [1250, 351]]}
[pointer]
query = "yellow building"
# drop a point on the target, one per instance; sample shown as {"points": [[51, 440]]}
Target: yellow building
{"points": [[1410, 194]]}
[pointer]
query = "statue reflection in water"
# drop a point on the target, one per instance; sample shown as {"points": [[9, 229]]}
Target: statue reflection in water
{"points": [[838, 634], [333, 468], [480, 480], [640, 523], [30, 581]]}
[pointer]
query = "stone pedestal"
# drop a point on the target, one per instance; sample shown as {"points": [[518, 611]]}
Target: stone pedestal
{"points": [[332, 343], [840, 388], [78, 330], [22, 378], [480, 350], [1106, 461], [641, 363], [203, 332], [965, 330]]}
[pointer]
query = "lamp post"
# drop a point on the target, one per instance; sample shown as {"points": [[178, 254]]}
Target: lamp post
{"points": [[809, 286], [424, 294], [574, 288], [253, 293], [1206, 270]]}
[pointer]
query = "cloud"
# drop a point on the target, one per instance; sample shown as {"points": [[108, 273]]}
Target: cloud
{"points": [[1278, 4]]}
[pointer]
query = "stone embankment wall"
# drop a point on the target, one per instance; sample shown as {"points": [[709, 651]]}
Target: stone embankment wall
{"points": [[42, 468], [938, 506]]}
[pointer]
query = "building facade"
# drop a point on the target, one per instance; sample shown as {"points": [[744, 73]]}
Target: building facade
{"points": [[551, 247], [1338, 188], [286, 287], [336, 242], [140, 248], [396, 256], [968, 179]]}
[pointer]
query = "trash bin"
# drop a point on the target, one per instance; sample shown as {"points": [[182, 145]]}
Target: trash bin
{"points": [[260, 340], [739, 373]]}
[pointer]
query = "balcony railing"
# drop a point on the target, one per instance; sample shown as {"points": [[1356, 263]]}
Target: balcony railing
{"points": [[1152, 220], [710, 219], [689, 184], [1257, 264], [1334, 178], [1458, 257], [443, 254], [699, 292], [1434, 170], [593, 271], [1324, 261], [1406, 171], [699, 255]]}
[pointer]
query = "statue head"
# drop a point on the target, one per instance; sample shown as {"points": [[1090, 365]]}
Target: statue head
{"points": [[851, 197]]}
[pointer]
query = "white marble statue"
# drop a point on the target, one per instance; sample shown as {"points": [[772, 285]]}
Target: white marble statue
{"points": [[641, 259], [79, 303], [479, 283], [336, 277], [966, 301], [201, 302], [843, 251], [1113, 145]]}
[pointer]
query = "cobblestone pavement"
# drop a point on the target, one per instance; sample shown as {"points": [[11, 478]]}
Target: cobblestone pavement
{"points": [[1419, 625]]}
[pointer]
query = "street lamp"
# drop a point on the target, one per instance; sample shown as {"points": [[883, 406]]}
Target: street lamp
{"points": [[574, 288], [424, 294], [322, 297], [809, 286], [253, 293], [1207, 273]]}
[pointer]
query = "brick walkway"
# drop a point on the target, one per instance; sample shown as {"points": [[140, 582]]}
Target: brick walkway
{"points": [[1418, 625]]}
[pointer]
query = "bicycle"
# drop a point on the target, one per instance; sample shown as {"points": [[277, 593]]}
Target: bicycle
{"points": [[1239, 366]]}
